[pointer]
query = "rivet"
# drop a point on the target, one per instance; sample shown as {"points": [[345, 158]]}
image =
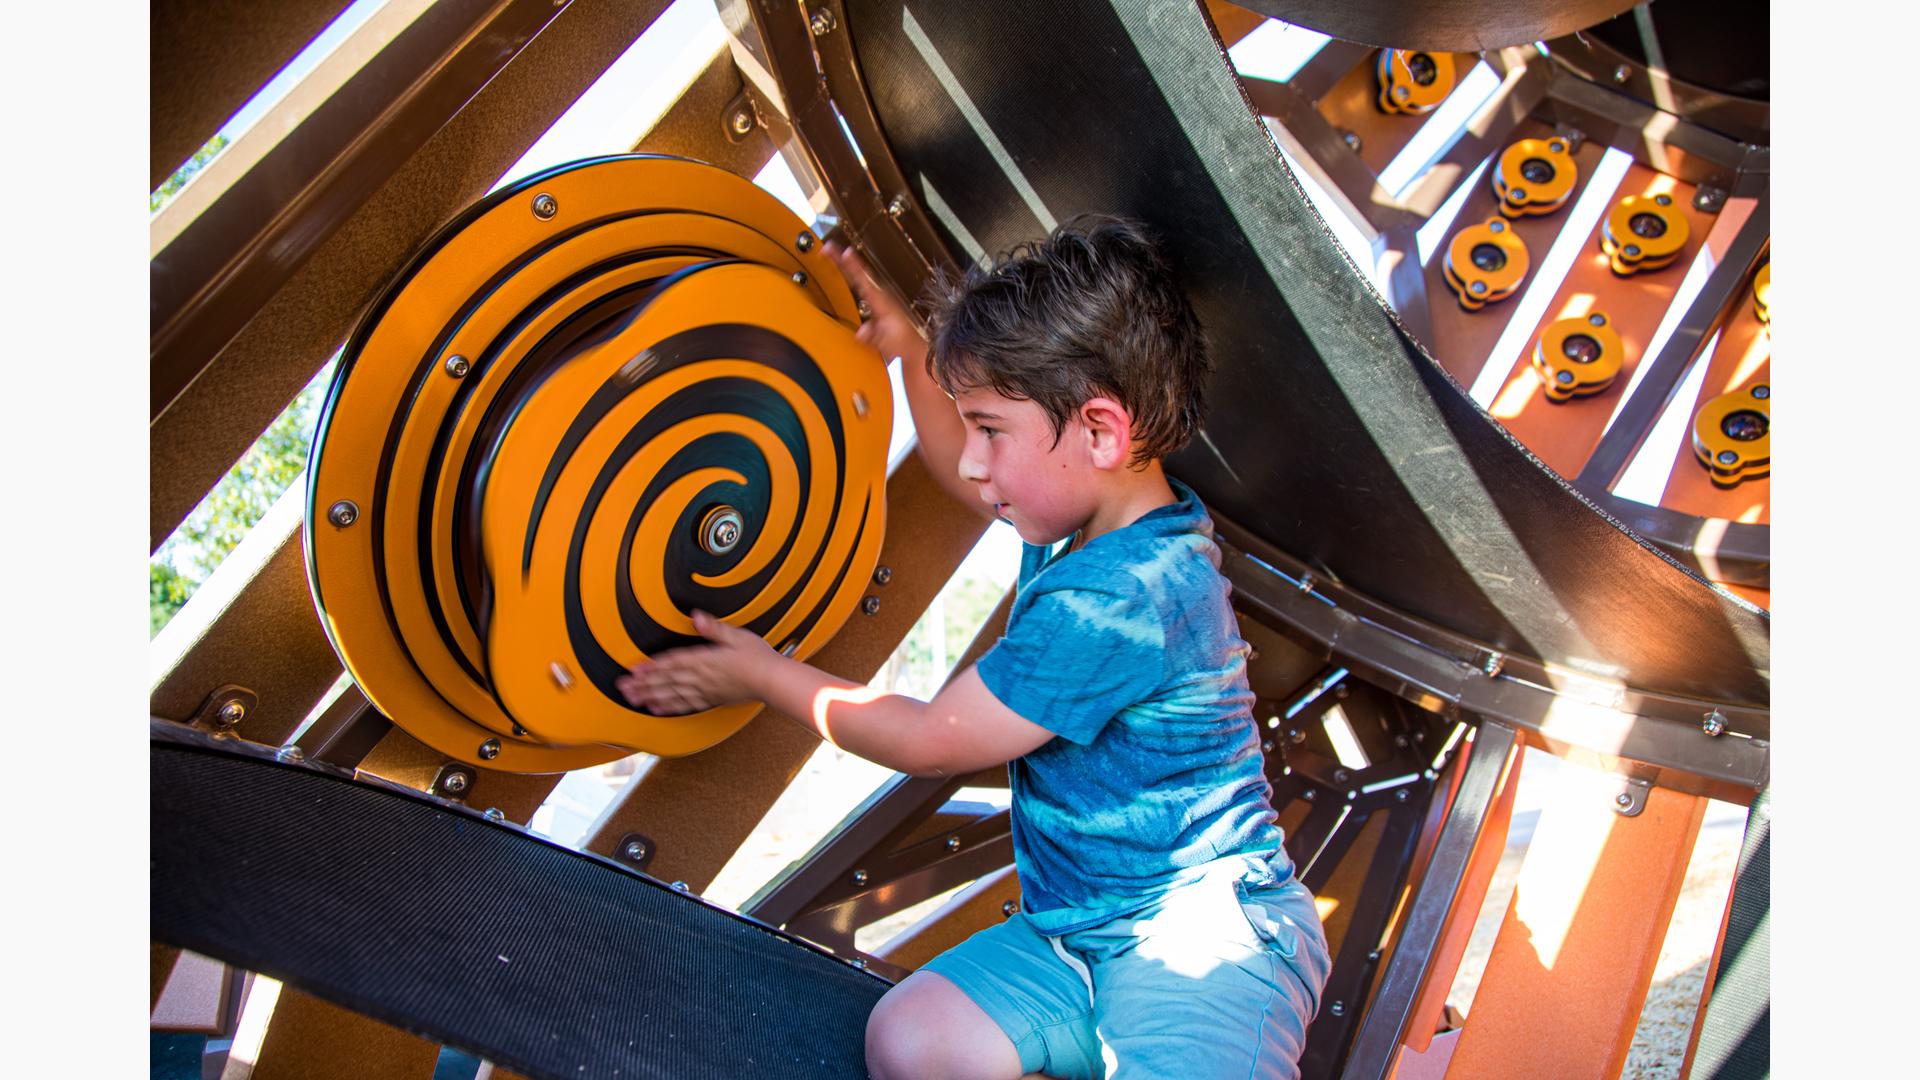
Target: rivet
{"points": [[1009, 909], [804, 241], [859, 878], [1713, 723], [545, 206], [457, 366], [882, 575], [343, 513], [859, 403], [494, 813], [821, 22], [897, 206], [490, 749], [561, 676], [870, 605]]}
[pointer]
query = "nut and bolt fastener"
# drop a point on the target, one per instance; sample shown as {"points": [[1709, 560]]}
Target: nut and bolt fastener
{"points": [[742, 122], [1622, 73], [634, 850], [231, 713], [870, 605], [494, 813], [953, 843], [859, 878], [1713, 723], [1623, 800], [1009, 909], [545, 206], [821, 22], [490, 749], [804, 241], [343, 513], [882, 575], [458, 367], [897, 206]]}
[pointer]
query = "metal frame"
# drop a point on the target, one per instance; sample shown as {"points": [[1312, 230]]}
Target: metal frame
{"points": [[1594, 61]]}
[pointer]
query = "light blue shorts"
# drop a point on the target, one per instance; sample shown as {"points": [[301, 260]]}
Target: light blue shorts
{"points": [[1217, 979]]}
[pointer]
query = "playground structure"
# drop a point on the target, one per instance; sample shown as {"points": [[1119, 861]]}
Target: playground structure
{"points": [[1419, 513]]}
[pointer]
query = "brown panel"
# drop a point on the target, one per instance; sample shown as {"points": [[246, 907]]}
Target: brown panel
{"points": [[209, 57], [269, 641], [163, 959], [696, 126], [1564, 435], [698, 809], [1462, 339], [1349, 876], [1569, 972], [403, 759], [309, 1039], [213, 422], [974, 908]]}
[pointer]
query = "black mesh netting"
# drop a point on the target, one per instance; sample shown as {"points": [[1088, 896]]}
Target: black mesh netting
{"points": [[481, 936]]}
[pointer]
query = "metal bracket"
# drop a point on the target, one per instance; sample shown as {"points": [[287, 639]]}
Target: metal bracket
{"points": [[635, 850], [1632, 797], [225, 708]]}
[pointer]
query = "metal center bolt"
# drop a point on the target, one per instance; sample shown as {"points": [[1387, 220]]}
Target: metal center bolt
{"points": [[721, 529]]}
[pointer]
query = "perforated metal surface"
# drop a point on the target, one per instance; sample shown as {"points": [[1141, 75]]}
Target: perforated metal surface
{"points": [[549, 962]]}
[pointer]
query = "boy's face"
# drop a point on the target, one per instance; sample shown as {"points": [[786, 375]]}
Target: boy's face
{"points": [[1042, 487]]}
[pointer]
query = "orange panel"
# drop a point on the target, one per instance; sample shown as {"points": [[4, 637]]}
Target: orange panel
{"points": [[1563, 435], [1351, 105], [1462, 339], [1569, 972], [1743, 358]]}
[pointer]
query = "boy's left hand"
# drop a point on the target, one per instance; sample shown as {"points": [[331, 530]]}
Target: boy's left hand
{"points": [[700, 676]]}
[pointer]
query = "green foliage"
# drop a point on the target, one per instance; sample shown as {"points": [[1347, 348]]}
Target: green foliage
{"points": [[241, 498], [186, 172], [967, 603]]}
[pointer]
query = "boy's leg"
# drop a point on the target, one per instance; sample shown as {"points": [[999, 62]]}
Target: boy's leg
{"points": [[1206, 987], [1000, 1004]]}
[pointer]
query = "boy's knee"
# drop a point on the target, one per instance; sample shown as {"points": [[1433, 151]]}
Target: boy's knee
{"points": [[925, 1027]]}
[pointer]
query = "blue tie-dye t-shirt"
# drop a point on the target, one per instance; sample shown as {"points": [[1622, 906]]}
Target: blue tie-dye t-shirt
{"points": [[1127, 650]]}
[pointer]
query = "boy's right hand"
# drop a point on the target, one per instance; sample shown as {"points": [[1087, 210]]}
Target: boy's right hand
{"points": [[887, 329]]}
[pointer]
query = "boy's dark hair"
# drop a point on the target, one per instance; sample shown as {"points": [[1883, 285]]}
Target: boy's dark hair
{"points": [[1091, 311]]}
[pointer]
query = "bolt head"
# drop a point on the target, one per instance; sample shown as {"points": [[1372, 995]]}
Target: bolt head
{"points": [[1400, 795], [804, 241], [1727, 457], [799, 277], [1762, 393], [634, 850], [1713, 723], [494, 813], [1622, 73], [490, 749], [343, 513], [681, 886], [1401, 93], [821, 22], [859, 878], [292, 755], [545, 206], [897, 206], [742, 122], [953, 843], [1631, 250], [1563, 377], [1352, 140], [455, 783], [1266, 746], [231, 713], [870, 605], [1623, 799], [1296, 735], [1009, 909], [1338, 1008], [1478, 287], [1310, 795], [1663, 200], [457, 366], [882, 575]]}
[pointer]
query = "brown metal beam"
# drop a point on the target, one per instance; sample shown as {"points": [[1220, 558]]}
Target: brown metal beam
{"points": [[213, 422], [209, 57], [698, 809], [310, 1039]]}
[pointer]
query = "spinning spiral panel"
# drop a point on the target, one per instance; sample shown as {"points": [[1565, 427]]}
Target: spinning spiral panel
{"points": [[600, 399]]}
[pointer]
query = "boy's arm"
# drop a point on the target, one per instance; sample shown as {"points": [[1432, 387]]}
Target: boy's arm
{"points": [[962, 730], [890, 330]]}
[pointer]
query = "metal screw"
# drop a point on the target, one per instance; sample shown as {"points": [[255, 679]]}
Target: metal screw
{"points": [[1713, 723], [1341, 691], [804, 241], [1596, 319], [870, 605], [1762, 393], [1496, 226], [1623, 800], [882, 575], [1352, 140], [821, 22], [455, 781], [1338, 1008], [859, 404], [1266, 746], [458, 367], [545, 206], [1518, 195], [799, 277], [494, 813], [634, 851], [490, 749], [859, 962], [681, 886], [289, 754], [1009, 909], [231, 713], [859, 878], [1727, 457], [1374, 956], [1295, 735], [518, 730], [865, 309], [790, 647], [1663, 200], [1622, 73], [1340, 776], [1401, 93], [1400, 795], [1478, 286], [742, 122], [1310, 795], [1631, 250], [897, 206], [1709, 198], [953, 843], [1352, 795], [343, 513], [1563, 377]]}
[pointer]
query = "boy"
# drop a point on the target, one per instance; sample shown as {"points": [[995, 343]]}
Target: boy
{"points": [[1163, 933]]}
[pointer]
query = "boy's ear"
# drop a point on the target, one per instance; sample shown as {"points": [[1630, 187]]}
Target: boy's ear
{"points": [[1109, 432]]}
